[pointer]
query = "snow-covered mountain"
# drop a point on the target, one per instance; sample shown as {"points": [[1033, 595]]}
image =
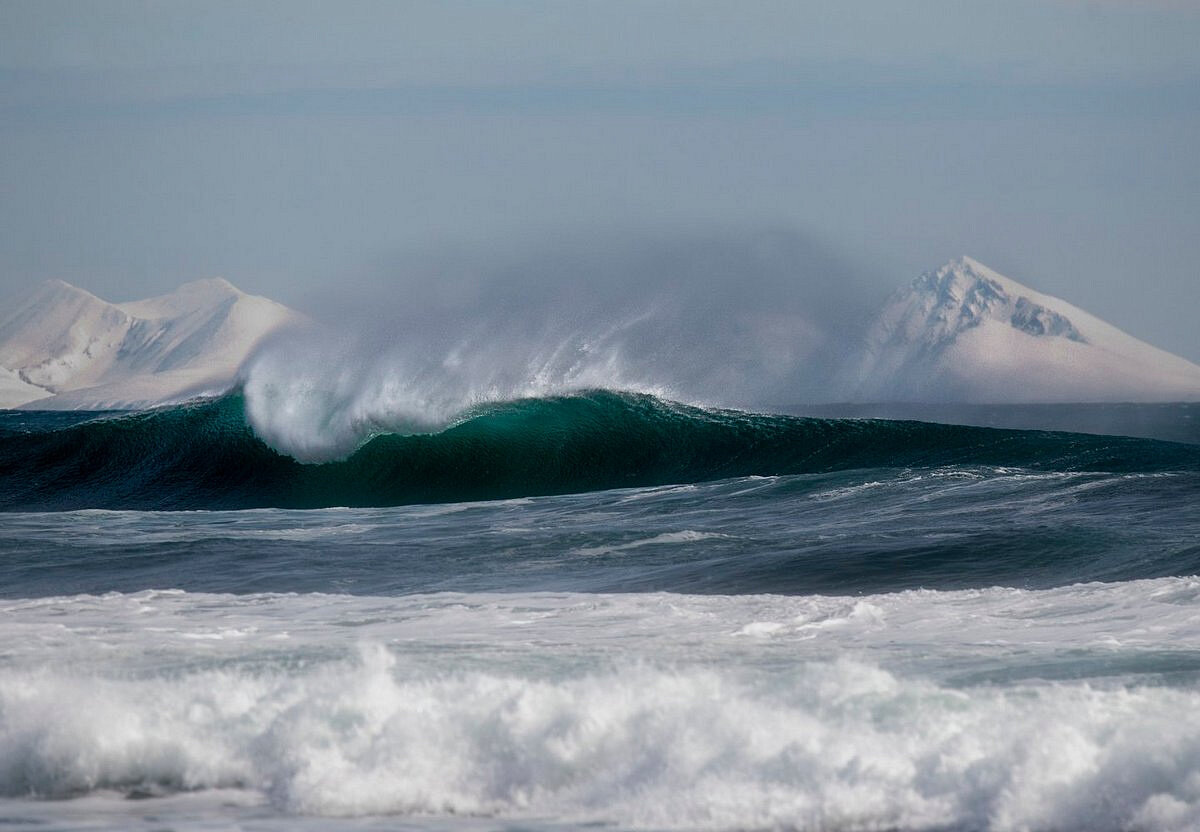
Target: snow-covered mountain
{"points": [[965, 333], [962, 333], [63, 347]]}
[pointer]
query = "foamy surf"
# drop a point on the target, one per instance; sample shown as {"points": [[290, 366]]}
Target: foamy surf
{"points": [[981, 709]]}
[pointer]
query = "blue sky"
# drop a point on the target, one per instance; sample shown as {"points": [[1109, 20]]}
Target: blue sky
{"points": [[294, 146]]}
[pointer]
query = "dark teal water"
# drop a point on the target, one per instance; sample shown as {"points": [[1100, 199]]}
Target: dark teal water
{"points": [[205, 456], [771, 503]]}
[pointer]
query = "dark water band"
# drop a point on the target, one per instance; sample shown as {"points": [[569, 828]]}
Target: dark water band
{"points": [[204, 456]]}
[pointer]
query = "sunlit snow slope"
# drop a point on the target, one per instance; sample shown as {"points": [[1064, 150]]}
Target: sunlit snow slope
{"points": [[967, 333], [63, 347], [962, 333]]}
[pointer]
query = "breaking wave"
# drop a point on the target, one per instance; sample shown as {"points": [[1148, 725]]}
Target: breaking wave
{"points": [[205, 455]]}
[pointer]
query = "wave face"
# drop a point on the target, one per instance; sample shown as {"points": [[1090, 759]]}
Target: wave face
{"points": [[204, 455]]}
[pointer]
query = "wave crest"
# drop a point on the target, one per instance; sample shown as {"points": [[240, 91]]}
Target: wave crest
{"points": [[318, 400], [205, 455]]}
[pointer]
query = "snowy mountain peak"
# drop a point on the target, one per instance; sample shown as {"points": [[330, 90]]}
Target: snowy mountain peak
{"points": [[964, 293], [209, 287], [56, 332], [64, 347], [197, 294], [965, 332]]}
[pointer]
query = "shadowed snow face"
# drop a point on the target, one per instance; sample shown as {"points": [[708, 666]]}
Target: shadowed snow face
{"points": [[965, 333]]}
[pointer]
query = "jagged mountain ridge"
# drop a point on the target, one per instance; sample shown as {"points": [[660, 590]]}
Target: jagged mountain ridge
{"points": [[63, 347], [961, 333], [966, 333]]}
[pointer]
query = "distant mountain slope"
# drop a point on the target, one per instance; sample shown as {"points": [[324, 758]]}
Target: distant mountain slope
{"points": [[63, 347], [961, 334], [965, 333]]}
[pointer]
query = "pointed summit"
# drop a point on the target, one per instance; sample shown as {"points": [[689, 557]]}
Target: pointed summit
{"points": [[208, 286], [215, 282], [58, 332], [966, 333]]}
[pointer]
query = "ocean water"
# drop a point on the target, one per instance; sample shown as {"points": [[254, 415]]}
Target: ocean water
{"points": [[601, 610]]}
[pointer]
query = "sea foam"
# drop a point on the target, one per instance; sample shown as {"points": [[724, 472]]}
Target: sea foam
{"points": [[837, 745], [647, 712]]}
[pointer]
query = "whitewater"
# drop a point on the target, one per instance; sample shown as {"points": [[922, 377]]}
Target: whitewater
{"points": [[598, 608], [917, 709]]}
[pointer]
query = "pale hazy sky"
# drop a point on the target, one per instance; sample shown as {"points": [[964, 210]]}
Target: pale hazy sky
{"points": [[291, 146]]}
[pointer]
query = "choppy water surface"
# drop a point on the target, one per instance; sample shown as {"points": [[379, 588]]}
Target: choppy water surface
{"points": [[674, 618]]}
